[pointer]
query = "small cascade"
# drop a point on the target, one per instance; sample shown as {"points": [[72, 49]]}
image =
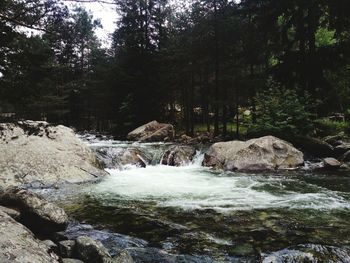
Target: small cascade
{"points": [[198, 158]]}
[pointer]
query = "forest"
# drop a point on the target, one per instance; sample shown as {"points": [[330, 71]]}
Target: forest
{"points": [[231, 68]]}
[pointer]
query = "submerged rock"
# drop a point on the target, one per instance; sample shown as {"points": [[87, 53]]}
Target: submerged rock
{"points": [[178, 155], [152, 132], [266, 153], [309, 253], [37, 151], [35, 212], [91, 251], [18, 244], [155, 255], [115, 243]]}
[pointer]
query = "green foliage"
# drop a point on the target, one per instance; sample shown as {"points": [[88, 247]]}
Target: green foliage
{"points": [[326, 127], [281, 111], [325, 37]]}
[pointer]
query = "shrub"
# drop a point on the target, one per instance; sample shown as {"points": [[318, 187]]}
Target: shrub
{"points": [[282, 112]]}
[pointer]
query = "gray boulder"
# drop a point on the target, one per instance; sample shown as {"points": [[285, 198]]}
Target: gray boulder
{"points": [[35, 212], [265, 153], [18, 244], [37, 151], [153, 132], [178, 155], [91, 251], [119, 157]]}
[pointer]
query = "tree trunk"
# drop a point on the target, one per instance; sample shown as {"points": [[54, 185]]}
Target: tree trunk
{"points": [[217, 64]]}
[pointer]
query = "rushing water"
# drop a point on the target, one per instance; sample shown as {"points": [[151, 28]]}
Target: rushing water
{"points": [[195, 210]]}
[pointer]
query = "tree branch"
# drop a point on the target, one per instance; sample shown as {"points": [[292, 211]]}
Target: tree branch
{"points": [[19, 23]]}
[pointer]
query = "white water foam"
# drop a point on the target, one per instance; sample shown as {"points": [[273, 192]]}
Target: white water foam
{"points": [[195, 187]]}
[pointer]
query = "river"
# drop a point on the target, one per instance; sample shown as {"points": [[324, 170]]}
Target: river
{"points": [[222, 216]]}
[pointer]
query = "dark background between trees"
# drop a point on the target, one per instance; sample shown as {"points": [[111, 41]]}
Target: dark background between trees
{"points": [[281, 65]]}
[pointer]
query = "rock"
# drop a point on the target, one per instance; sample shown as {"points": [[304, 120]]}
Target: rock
{"points": [[331, 163], [345, 167], [309, 253], [11, 212], [50, 245], [178, 155], [313, 146], [71, 260], [91, 251], [123, 257], [346, 156], [342, 149], [36, 213], [118, 157], [152, 132], [265, 153], [66, 248], [46, 153], [334, 139], [185, 139], [18, 244], [115, 243]]}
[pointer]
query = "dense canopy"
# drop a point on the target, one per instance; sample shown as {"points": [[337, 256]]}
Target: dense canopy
{"points": [[210, 64]]}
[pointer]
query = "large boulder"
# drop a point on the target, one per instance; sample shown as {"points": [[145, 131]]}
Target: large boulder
{"points": [[18, 244], [37, 151], [178, 155], [265, 153], [35, 212], [152, 132]]}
